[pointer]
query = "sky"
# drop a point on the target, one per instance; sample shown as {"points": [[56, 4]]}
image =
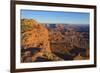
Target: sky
{"points": [[56, 17]]}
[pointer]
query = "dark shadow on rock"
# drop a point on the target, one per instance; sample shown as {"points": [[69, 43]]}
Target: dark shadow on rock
{"points": [[33, 50], [41, 59], [72, 53], [76, 51], [64, 56]]}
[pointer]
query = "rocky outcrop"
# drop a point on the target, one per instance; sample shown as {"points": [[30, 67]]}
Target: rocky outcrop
{"points": [[40, 42], [35, 35]]}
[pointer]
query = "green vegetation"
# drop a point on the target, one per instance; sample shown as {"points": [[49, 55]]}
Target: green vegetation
{"points": [[25, 28], [27, 24]]}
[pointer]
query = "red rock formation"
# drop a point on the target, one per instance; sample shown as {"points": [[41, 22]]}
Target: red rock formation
{"points": [[37, 36]]}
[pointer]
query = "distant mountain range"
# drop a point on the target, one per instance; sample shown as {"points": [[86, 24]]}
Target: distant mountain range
{"points": [[77, 27]]}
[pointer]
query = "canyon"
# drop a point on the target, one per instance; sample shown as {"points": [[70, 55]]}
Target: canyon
{"points": [[42, 42]]}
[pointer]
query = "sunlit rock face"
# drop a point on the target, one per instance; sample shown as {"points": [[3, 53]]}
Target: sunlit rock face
{"points": [[34, 35], [52, 42]]}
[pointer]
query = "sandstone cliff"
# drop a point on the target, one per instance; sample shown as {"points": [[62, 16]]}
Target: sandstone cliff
{"points": [[35, 44], [35, 35]]}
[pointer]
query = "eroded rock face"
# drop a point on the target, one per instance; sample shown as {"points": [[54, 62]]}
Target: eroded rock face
{"points": [[35, 35], [38, 43]]}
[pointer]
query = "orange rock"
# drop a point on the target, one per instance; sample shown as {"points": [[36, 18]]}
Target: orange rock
{"points": [[37, 37]]}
